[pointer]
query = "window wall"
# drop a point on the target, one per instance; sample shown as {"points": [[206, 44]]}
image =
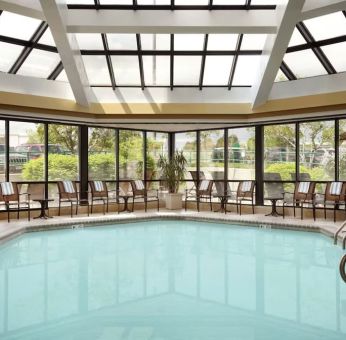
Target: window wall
{"points": [[131, 155], [101, 154], [241, 153], [317, 150], [157, 145], [41, 152]]}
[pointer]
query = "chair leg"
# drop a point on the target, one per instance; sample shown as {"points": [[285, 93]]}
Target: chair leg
{"points": [[29, 211], [185, 203], [198, 204], [158, 205], [107, 205], [334, 213], [133, 203], [59, 207], [18, 206], [325, 211], [294, 209], [240, 208], [145, 204], [314, 212], [77, 204], [211, 204], [92, 206], [301, 211], [283, 210], [8, 212], [253, 207]]}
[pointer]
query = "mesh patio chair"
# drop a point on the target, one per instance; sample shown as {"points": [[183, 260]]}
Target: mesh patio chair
{"points": [[203, 192], [140, 192], [100, 192]]}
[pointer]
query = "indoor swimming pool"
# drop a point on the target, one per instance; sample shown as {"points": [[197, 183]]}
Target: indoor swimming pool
{"points": [[178, 280]]}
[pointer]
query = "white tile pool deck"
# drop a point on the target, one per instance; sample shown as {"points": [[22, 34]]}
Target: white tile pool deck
{"points": [[18, 227]]}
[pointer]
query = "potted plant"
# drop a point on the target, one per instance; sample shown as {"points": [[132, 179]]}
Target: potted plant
{"points": [[173, 172]]}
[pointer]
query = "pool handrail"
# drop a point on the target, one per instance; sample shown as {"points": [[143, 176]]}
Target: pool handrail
{"points": [[342, 268], [338, 232]]}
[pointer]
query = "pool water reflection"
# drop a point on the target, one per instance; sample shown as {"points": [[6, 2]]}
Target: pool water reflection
{"points": [[171, 280]]}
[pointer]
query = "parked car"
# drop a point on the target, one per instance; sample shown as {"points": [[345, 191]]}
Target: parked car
{"points": [[16, 160], [33, 151]]}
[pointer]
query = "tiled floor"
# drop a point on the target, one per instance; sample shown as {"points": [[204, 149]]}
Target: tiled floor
{"points": [[14, 228]]}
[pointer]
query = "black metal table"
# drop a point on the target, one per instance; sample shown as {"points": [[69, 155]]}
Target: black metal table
{"points": [[126, 205], [273, 201], [223, 202], [44, 206]]}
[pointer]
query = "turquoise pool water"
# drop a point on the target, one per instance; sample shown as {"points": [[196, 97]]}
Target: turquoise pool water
{"points": [[171, 280]]}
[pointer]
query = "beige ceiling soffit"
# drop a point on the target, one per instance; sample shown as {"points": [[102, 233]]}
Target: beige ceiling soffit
{"points": [[316, 8], [23, 7], [274, 51], [163, 21], [55, 12]]}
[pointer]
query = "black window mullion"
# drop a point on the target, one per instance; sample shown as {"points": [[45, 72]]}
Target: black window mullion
{"points": [[248, 4], [7, 150], [140, 60], [135, 5], [336, 146], [27, 50], [317, 50], [234, 62], [109, 60], [201, 76], [172, 61], [297, 138], [287, 71], [172, 4], [210, 4], [55, 73], [46, 174]]}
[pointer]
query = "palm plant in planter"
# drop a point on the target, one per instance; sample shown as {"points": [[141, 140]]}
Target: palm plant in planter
{"points": [[173, 172]]}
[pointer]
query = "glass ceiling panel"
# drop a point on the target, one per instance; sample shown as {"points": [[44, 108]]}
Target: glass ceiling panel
{"points": [[336, 54], [156, 70], [265, 2], [122, 41], [217, 70], [304, 64], [187, 70], [190, 42], [296, 38], [8, 56], [116, 2], [327, 26], [280, 77], [190, 2], [222, 42], [246, 70], [126, 70], [17, 26], [47, 38], [229, 2], [89, 41], [154, 2], [253, 41], [155, 41], [62, 76], [97, 70], [80, 2], [39, 64]]}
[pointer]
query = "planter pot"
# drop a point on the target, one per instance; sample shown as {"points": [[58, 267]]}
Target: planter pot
{"points": [[174, 201]]}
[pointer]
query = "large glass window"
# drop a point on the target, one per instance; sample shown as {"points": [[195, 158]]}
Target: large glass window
{"points": [[62, 152], [317, 150], [26, 158], [101, 154], [187, 142], [241, 153], [342, 149], [212, 154], [280, 152], [131, 155], [157, 145], [2, 151]]}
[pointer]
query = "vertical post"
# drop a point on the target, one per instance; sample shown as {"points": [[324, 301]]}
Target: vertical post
{"points": [[198, 154], [171, 144], [83, 161], [225, 157], [297, 151], [259, 156], [7, 150], [337, 144], [145, 172], [117, 161], [46, 154]]}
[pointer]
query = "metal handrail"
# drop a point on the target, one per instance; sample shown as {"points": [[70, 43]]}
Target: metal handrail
{"points": [[342, 268], [338, 232]]}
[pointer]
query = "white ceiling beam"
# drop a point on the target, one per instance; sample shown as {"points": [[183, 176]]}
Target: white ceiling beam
{"points": [[316, 8], [163, 21], [27, 8], [274, 51], [55, 12]]}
